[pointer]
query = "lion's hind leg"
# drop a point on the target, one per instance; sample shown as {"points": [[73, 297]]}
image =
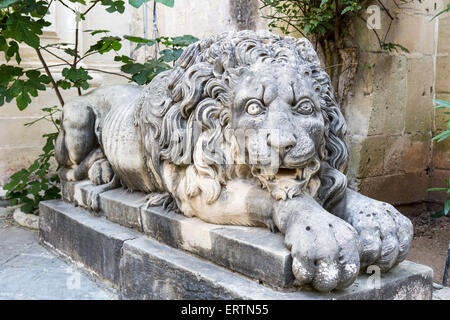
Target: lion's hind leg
{"points": [[77, 145]]}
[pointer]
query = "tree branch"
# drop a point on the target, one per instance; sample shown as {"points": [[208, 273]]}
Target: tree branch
{"points": [[92, 6], [55, 55], [65, 5], [109, 72], [385, 9], [49, 74]]}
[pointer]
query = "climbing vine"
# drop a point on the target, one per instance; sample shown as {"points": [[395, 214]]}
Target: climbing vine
{"points": [[329, 25]]}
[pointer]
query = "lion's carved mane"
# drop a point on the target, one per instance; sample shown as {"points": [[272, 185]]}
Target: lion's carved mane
{"points": [[198, 89]]}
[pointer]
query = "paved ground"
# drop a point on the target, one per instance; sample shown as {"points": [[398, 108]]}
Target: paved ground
{"points": [[29, 271]]}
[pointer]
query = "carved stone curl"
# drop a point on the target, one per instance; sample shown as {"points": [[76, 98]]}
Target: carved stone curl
{"points": [[244, 130]]}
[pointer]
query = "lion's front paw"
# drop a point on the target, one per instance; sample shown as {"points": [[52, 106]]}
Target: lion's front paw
{"points": [[325, 250], [385, 234]]}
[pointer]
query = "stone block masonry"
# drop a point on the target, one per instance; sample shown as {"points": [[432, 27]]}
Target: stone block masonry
{"points": [[164, 257]]}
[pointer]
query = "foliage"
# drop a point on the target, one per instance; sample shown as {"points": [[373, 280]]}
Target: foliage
{"points": [[328, 24], [28, 187], [440, 137], [22, 22]]}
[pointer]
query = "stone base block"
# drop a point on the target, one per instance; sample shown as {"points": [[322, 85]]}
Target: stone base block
{"points": [[143, 268]]}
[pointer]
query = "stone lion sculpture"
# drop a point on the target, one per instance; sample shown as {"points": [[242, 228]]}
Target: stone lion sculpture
{"points": [[244, 130]]}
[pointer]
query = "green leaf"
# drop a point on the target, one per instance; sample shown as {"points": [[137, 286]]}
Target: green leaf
{"points": [[78, 1], [447, 206], [94, 32], [148, 42], [27, 207], [436, 189], [24, 29], [138, 3], [323, 2], [78, 77], [181, 41], [63, 84], [124, 59], [438, 214], [106, 44], [442, 136], [169, 3], [441, 104], [168, 55], [114, 6], [144, 73], [7, 3], [34, 166], [346, 9]]}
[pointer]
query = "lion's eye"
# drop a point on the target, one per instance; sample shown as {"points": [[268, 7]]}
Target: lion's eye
{"points": [[305, 106], [254, 107]]}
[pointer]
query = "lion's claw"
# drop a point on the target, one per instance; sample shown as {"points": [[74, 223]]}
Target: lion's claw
{"points": [[385, 234]]}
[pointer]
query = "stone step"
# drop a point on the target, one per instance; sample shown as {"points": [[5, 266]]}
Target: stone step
{"points": [[242, 249], [143, 268]]}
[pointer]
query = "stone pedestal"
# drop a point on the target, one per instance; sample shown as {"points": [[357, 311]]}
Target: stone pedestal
{"points": [[155, 254]]}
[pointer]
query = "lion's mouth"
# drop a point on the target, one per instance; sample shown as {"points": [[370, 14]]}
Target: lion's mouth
{"points": [[286, 173], [282, 173], [289, 173]]}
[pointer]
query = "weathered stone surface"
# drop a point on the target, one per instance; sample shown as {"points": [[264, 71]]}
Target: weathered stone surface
{"points": [[151, 270], [123, 207], [443, 70], [411, 28], [420, 82], [396, 189], [444, 35], [3, 201], [30, 221], [389, 96], [407, 153], [94, 242], [243, 249], [438, 180], [441, 294], [78, 192], [371, 154]]}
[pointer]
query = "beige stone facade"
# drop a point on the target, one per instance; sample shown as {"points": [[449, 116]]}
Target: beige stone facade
{"points": [[389, 112]]}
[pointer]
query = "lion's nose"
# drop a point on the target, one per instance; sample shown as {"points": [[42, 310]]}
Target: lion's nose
{"points": [[283, 143]]}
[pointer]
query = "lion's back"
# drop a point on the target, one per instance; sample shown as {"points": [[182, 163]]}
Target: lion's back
{"points": [[123, 149]]}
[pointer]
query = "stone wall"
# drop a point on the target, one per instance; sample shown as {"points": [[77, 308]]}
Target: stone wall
{"points": [[441, 150], [389, 112]]}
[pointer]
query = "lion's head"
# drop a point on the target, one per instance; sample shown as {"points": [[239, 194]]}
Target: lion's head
{"points": [[247, 104]]}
